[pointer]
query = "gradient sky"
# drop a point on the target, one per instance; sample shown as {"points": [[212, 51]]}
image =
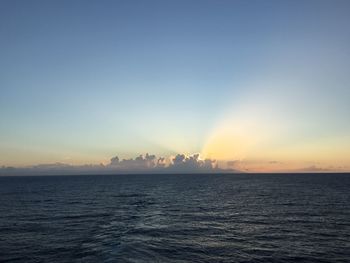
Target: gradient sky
{"points": [[264, 83]]}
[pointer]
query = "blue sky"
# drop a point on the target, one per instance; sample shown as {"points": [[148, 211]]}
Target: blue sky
{"points": [[81, 81]]}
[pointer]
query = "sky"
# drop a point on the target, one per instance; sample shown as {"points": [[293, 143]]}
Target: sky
{"points": [[255, 85]]}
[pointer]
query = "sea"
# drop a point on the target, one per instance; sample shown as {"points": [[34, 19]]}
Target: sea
{"points": [[175, 218]]}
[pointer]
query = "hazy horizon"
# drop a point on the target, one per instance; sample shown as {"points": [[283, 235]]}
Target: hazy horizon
{"points": [[152, 164]]}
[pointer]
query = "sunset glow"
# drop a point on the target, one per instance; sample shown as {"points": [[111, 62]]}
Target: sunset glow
{"points": [[262, 90]]}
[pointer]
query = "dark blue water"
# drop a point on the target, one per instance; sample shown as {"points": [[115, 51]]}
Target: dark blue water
{"points": [[175, 218]]}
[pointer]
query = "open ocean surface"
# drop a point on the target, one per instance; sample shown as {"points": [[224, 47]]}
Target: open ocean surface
{"points": [[175, 218]]}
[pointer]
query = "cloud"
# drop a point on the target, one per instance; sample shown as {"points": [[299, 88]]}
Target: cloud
{"points": [[275, 162], [161, 162], [139, 163], [114, 161], [314, 168], [148, 163], [232, 163], [181, 163], [151, 164], [319, 169], [52, 166]]}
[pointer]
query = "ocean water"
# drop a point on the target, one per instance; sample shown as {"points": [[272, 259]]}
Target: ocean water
{"points": [[175, 218]]}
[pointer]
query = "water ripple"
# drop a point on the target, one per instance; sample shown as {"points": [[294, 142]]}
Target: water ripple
{"points": [[176, 218]]}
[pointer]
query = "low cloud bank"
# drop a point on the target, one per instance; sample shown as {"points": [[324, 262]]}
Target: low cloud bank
{"points": [[180, 162], [147, 164]]}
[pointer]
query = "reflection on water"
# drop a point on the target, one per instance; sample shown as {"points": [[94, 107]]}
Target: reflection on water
{"points": [[175, 218]]}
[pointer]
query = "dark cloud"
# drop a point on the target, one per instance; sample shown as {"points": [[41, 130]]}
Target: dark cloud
{"points": [[114, 161], [148, 163], [181, 163], [139, 163]]}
